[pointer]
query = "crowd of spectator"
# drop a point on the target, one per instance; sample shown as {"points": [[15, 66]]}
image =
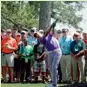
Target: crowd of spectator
{"points": [[24, 58]]}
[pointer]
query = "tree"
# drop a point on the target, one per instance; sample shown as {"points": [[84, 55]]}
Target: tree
{"points": [[38, 14], [66, 12], [45, 15], [18, 13]]}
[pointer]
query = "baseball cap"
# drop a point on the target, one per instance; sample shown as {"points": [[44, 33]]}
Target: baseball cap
{"points": [[33, 29], [18, 34], [8, 30], [76, 34], [23, 32], [59, 31], [37, 33], [64, 30]]}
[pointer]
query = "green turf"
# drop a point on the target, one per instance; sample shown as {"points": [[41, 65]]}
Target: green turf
{"points": [[22, 85], [25, 85]]}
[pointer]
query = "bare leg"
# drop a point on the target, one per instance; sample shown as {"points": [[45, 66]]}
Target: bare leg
{"points": [[4, 72], [11, 73]]}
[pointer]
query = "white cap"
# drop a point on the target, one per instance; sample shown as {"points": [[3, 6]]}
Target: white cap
{"points": [[76, 33], [41, 31], [40, 34], [34, 29], [8, 30], [18, 34], [23, 32]]}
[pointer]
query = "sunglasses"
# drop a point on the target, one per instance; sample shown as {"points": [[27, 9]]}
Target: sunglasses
{"points": [[32, 31], [18, 36], [76, 35], [22, 33]]}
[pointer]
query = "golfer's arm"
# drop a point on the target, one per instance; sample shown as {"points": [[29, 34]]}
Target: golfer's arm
{"points": [[47, 32]]}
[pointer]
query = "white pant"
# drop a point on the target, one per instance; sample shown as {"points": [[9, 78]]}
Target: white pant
{"points": [[53, 63]]}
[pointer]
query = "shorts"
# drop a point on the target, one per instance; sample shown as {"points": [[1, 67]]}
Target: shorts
{"points": [[7, 59], [40, 66]]}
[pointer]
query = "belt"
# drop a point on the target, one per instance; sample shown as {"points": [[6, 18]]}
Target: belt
{"points": [[8, 53], [53, 51]]}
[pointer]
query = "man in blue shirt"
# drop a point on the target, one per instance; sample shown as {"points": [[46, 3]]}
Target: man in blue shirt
{"points": [[65, 61]]}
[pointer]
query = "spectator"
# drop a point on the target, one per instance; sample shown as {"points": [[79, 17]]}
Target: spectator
{"points": [[58, 35], [9, 45], [65, 61], [32, 41], [14, 32], [26, 56], [4, 35], [39, 63], [76, 47], [85, 40], [23, 35], [17, 59]]}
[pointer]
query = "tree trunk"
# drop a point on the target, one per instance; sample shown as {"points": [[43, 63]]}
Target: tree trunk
{"points": [[45, 15]]}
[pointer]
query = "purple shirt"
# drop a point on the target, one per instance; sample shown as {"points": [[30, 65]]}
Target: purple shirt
{"points": [[50, 42]]}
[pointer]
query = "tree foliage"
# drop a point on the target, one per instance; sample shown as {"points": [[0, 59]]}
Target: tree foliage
{"points": [[26, 13], [66, 12], [18, 13]]}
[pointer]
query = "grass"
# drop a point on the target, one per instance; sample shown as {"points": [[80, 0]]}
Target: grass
{"points": [[22, 85], [25, 85]]}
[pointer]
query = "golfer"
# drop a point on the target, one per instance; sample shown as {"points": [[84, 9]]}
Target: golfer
{"points": [[54, 53]]}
